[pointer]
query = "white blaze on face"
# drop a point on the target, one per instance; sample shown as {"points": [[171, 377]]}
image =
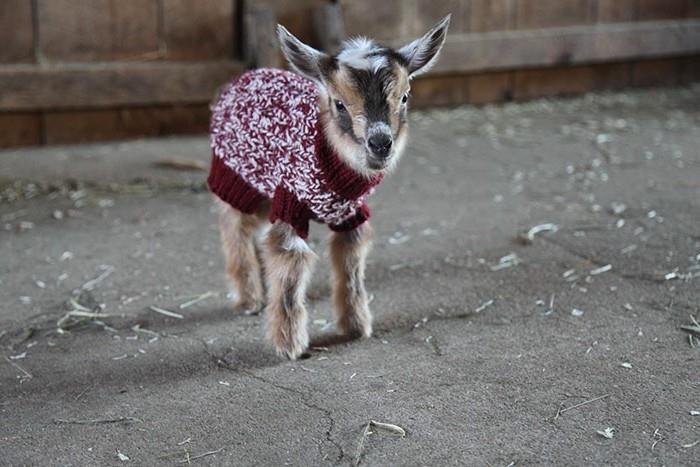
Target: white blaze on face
{"points": [[358, 53]]}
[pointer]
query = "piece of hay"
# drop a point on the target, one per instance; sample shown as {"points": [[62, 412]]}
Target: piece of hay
{"points": [[388, 428], [505, 262], [484, 306], [98, 421], [25, 373], [197, 299], [178, 163], [600, 270], [199, 456], [91, 284], [566, 409], [165, 312], [528, 237]]}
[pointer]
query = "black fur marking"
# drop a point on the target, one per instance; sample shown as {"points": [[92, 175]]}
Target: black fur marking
{"points": [[345, 125], [391, 55], [373, 85], [344, 122], [327, 66]]}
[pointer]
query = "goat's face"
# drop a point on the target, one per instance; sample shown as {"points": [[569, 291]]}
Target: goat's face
{"points": [[364, 93]]}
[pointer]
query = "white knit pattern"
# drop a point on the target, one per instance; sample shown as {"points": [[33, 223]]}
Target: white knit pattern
{"points": [[264, 128]]}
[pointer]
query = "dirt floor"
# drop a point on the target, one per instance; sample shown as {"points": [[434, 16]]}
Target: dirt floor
{"points": [[490, 348]]}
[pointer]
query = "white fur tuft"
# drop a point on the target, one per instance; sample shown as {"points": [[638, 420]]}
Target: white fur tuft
{"points": [[357, 53]]}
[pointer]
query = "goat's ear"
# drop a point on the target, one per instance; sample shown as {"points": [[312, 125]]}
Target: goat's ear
{"points": [[422, 53], [304, 59]]}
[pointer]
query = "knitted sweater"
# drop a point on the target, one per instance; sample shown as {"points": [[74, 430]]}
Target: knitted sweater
{"points": [[268, 144]]}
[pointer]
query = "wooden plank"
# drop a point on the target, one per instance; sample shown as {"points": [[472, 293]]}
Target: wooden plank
{"points": [[613, 75], [533, 14], [112, 84], [383, 21], [16, 37], [440, 91], [491, 15], [295, 15], [198, 29], [653, 10], [329, 27], [491, 87], [20, 129], [429, 12], [113, 124], [530, 84], [616, 11], [693, 8], [83, 30], [690, 72], [566, 46], [657, 73], [262, 47]]}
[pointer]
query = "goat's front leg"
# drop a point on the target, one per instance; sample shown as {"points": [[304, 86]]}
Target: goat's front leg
{"points": [[288, 266], [348, 255]]}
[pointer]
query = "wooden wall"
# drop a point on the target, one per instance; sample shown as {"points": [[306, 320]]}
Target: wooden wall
{"points": [[88, 70], [523, 49]]}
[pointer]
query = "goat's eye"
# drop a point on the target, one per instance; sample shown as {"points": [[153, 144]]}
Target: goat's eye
{"points": [[339, 106], [404, 98]]}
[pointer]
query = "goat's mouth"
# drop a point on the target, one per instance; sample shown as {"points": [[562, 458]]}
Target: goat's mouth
{"points": [[377, 163]]}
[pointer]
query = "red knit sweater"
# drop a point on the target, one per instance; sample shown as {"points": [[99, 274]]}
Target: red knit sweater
{"points": [[268, 143]]}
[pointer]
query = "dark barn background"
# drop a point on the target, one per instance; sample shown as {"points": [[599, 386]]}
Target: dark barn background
{"points": [[89, 70]]}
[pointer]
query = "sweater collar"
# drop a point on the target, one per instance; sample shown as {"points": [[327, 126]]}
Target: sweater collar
{"points": [[339, 176]]}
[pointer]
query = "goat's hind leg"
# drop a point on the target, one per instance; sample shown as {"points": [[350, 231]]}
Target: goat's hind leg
{"points": [[238, 232], [288, 266]]}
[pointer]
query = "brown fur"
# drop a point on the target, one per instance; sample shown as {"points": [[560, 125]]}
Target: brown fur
{"points": [[397, 89], [243, 267], [348, 252], [289, 263]]}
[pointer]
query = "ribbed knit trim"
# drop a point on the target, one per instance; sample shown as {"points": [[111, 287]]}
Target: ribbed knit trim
{"points": [[360, 217], [339, 176], [287, 208], [225, 183]]}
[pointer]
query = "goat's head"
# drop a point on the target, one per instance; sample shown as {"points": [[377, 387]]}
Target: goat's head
{"points": [[364, 92]]}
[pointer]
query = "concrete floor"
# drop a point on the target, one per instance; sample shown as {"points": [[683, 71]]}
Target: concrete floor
{"points": [[488, 350]]}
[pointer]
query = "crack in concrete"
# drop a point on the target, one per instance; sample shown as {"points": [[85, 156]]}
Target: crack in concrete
{"points": [[221, 362]]}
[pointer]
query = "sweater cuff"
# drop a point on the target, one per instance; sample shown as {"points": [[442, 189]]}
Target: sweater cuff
{"points": [[287, 208], [353, 222]]}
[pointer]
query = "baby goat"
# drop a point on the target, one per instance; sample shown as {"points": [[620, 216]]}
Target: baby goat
{"points": [[293, 147]]}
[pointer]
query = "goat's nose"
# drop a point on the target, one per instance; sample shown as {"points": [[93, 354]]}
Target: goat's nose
{"points": [[380, 144]]}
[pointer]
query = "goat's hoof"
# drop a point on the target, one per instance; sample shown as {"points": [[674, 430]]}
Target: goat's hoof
{"points": [[288, 343], [357, 332], [248, 308]]}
